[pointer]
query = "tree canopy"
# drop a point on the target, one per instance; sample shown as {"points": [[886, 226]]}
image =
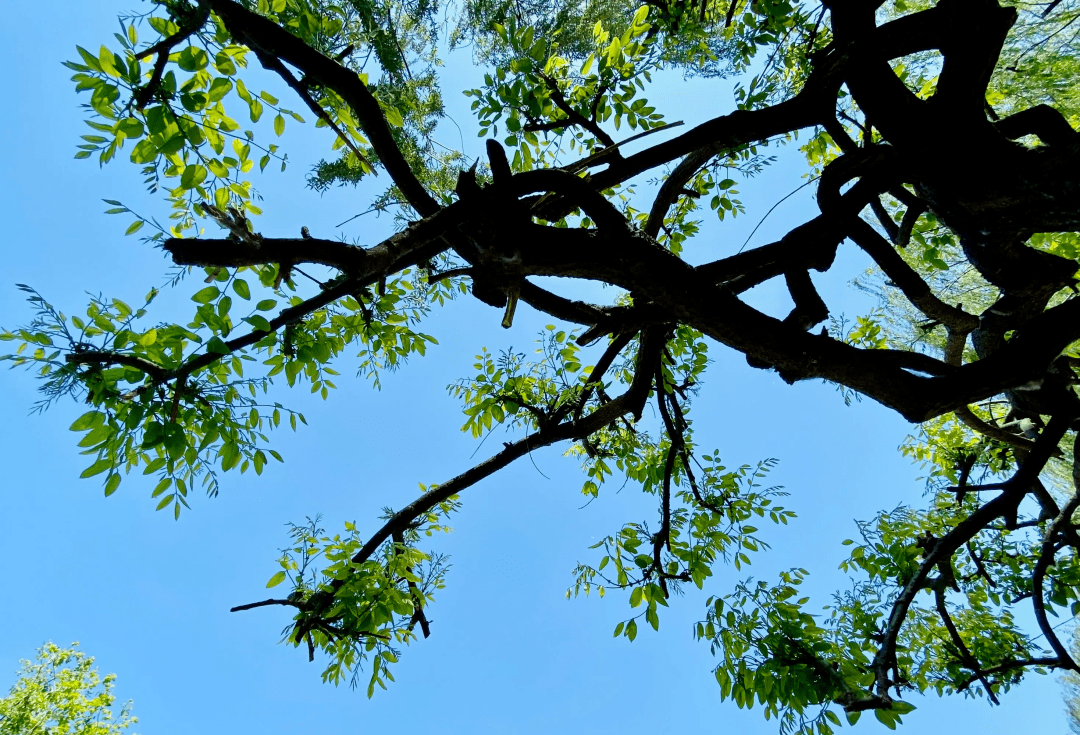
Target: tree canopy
{"points": [[61, 693], [941, 139]]}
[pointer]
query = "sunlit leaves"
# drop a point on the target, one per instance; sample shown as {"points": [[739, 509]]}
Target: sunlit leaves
{"points": [[62, 691], [358, 612], [539, 89], [181, 128]]}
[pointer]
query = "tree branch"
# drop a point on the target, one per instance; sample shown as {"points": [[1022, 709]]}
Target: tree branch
{"points": [[965, 655], [271, 39]]}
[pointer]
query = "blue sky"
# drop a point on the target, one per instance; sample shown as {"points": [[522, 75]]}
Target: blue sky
{"points": [[149, 597]]}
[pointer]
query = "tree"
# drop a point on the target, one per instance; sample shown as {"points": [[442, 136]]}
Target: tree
{"points": [[1072, 695], [62, 694], [952, 126]]}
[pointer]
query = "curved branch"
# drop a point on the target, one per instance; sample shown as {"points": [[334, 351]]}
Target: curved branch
{"points": [[965, 655], [973, 422], [1043, 121], [1013, 491], [271, 39], [908, 280], [1059, 526], [273, 64], [163, 49], [632, 401], [673, 186], [735, 129], [1009, 666], [573, 117]]}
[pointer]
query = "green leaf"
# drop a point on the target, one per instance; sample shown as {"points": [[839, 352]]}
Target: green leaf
{"points": [[259, 322], [224, 64], [97, 468], [886, 718], [393, 116], [279, 124], [192, 59], [206, 295], [216, 346], [144, 152], [111, 484], [193, 176], [241, 288], [88, 420], [276, 580], [130, 127], [219, 88]]}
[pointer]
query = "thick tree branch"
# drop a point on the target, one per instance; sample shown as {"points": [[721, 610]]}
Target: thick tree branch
{"points": [[908, 280], [98, 357], [1043, 121]]}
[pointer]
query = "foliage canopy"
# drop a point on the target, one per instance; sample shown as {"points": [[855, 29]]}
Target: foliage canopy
{"points": [[942, 141], [61, 693]]}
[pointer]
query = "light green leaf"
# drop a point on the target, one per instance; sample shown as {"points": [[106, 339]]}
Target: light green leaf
{"points": [[88, 420], [111, 484], [206, 295]]}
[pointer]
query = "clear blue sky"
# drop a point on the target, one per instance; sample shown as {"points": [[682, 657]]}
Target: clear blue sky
{"points": [[149, 597]]}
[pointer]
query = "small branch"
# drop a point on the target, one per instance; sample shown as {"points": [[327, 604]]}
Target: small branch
{"points": [[261, 33], [274, 64], [907, 224], [632, 401], [418, 598], [452, 273], [973, 422], [965, 655], [885, 220], [596, 375], [1009, 666], [264, 603], [573, 117], [980, 567], [163, 48], [594, 159], [1058, 527]]}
